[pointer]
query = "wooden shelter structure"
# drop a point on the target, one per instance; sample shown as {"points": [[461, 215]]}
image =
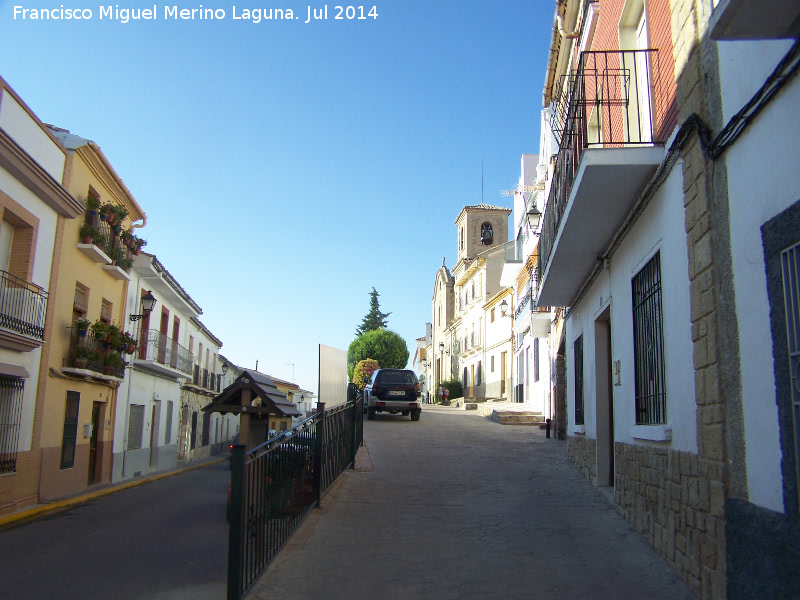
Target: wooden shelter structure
{"points": [[255, 398]]}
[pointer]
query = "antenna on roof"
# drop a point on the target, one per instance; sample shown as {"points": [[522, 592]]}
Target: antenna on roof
{"points": [[481, 181]]}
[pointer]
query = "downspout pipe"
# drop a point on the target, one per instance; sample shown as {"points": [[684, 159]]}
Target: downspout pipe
{"points": [[559, 32]]}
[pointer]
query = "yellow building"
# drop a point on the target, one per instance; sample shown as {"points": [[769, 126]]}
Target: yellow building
{"points": [[81, 371]]}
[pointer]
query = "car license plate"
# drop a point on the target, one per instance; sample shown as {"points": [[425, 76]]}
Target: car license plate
{"points": [[396, 393]]}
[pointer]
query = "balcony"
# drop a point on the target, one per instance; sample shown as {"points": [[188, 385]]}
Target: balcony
{"points": [[160, 354], [529, 314], [22, 313], [755, 20], [605, 117], [91, 357], [512, 264], [205, 379]]}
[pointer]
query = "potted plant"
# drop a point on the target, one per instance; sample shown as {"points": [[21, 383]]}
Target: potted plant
{"points": [[112, 362], [115, 254], [140, 243], [129, 342], [114, 335], [120, 213], [89, 234], [100, 330], [82, 356], [108, 210], [126, 236], [125, 263], [92, 205], [82, 326]]}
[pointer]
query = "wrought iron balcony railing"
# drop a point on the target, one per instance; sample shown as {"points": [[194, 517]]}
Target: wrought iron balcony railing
{"points": [[154, 345], [22, 306], [89, 353], [613, 100], [205, 378]]}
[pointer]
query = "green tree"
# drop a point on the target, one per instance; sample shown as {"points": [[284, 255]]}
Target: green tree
{"points": [[382, 345], [363, 372], [374, 319]]}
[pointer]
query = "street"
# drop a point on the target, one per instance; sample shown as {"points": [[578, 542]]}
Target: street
{"points": [[456, 507], [167, 539]]}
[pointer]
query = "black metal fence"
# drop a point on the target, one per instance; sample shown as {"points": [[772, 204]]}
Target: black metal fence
{"points": [[275, 485]]}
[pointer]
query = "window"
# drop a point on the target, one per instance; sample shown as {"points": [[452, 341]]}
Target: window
{"points": [[70, 435], [648, 345], [790, 270], [536, 360], [578, 355], [487, 236], [491, 364], [491, 316], [80, 303], [168, 426], [284, 426], [135, 426], [106, 311], [465, 379], [193, 440], [206, 428], [479, 374], [11, 392]]}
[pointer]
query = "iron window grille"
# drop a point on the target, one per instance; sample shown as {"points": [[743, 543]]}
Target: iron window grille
{"points": [[578, 354], [11, 393], [70, 436], [790, 267], [648, 345]]}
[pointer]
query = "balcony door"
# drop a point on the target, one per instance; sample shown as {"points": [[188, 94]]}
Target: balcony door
{"points": [[636, 71], [162, 338], [6, 237], [643, 83]]}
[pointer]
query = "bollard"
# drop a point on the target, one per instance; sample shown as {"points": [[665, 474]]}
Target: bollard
{"points": [[547, 428]]}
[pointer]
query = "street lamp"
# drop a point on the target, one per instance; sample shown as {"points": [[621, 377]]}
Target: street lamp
{"points": [[148, 304], [503, 307], [534, 216], [224, 368]]}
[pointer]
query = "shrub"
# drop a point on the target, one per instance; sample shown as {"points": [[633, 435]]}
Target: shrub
{"points": [[363, 372]]}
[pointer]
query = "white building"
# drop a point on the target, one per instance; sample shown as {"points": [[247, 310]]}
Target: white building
{"points": [[32, 205], [173, 374]]}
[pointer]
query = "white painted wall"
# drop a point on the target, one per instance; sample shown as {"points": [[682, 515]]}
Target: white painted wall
{"points": [[660, 228], [24, 130], [762, 167]]}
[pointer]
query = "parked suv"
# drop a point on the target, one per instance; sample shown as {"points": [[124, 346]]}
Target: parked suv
{"points": [[393, 391]]}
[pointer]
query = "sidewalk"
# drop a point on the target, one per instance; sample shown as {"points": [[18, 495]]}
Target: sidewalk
{"points": [[455, 507], [99, 490]]}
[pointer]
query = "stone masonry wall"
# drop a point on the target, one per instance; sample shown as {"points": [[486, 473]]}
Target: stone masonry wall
{"points": [[583, 452], [671, 499], [697, 86]]}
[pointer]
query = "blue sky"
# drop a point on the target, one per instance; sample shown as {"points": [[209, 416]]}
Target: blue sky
{"points": [[287, 168]]}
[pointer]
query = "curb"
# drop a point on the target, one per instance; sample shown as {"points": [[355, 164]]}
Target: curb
{"points": [[30, 513]]}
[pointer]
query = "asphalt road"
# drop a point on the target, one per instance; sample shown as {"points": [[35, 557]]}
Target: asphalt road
{"points": [[167, 539], [456, 507]]}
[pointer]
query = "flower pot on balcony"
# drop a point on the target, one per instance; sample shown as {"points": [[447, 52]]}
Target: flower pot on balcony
{"points": [[80, 363]]}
